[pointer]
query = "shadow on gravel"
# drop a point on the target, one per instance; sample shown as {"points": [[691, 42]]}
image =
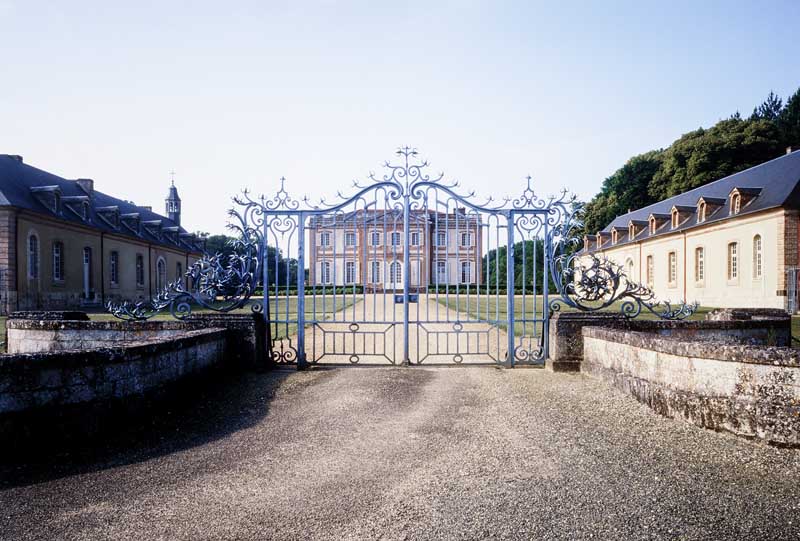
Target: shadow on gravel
{"points": [[189, 416]]}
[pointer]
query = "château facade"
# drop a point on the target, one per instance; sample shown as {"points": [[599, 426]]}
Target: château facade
{"points": [[64, 244], [366, 247], [730, 243]]}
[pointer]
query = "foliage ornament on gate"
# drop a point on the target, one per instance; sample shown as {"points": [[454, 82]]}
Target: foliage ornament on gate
{"points": [[582, 280]]}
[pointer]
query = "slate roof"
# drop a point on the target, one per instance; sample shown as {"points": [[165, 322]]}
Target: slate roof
{"points": [[18, 178], [772, 184]]}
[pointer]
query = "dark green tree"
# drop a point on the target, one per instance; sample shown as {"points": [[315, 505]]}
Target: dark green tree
{"points": [[789, 120], [770, 109]]}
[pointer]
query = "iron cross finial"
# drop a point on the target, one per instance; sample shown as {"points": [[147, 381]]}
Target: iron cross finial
{"points": [[172, 176]]}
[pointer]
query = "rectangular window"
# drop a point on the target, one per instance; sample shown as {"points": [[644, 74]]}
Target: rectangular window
{"points": [[178, 271], [415, 238], [396, 239], [466, 239], [375, 272], [699, 265], [325, 272], [441, 272], [466, 272], [114, 268], [325, 239], [650, 271], [139, 270], [673, 268], [733, 261], [350, 238], [58, 261], [350, 272], [441, 238], [375, 238], [33, 256]]}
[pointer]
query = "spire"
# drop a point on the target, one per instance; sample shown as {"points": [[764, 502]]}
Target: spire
{"points": [[173, 201]]}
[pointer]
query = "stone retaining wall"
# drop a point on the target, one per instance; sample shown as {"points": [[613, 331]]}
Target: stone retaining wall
{"points": [[748, 390]]}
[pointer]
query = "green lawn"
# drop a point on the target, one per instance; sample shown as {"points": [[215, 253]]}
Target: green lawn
{"points": [[477, 307]]}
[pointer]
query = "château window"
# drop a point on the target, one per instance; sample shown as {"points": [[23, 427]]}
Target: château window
{"points": [[613, 236], [415, 238], [466, 239], [652, 226], [631, 231], [757, 268], [396, 272], [701, 212], [325, 272], [325, 239], [33, 256], [139, 270], [350, 272], [441, 272], [396, 239], [58, 261], [178, 270], [733, 260], [114, 268], [466, 272], [375, 238], [674, 219], [441, 238], [161, 274], [673, 269], [699, 264], [350, 238], [375, 274], [650, 271]]}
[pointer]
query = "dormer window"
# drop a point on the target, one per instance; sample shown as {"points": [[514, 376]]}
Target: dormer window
{"points": [[701, 212], [652, 225], [85, 210], [57, 203], [109, 215], [674, 219], [736, 204], [614, 236], [741, 197]]}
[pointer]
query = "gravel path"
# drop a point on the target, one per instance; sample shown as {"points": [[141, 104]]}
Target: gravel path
{"points": [[419, 453], [433, 342]]}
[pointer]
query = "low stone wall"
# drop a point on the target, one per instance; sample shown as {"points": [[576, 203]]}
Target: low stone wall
{"points": [[751, 391], [40, 380], [33, 332]]}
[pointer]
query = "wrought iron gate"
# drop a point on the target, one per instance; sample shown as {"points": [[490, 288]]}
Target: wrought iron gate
{"points": [[407, 270]]}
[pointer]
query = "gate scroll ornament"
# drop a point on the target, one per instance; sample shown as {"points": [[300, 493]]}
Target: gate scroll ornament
{"points": [[581, 280]]}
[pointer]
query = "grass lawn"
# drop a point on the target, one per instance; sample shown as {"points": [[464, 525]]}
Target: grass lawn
{"points": [[477, 307]]}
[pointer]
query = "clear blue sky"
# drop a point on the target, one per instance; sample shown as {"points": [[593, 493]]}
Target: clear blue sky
{"points": [[235, 94]]}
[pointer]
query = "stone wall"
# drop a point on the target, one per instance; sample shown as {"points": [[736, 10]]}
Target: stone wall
{"points": [[44, 332], [749, 390]]}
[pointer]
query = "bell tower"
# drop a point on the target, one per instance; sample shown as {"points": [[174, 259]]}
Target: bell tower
{"points": [[173, 202]]}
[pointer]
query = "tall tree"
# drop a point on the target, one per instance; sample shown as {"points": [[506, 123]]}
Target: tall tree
{"points": [[770, 109], [789, 120]]}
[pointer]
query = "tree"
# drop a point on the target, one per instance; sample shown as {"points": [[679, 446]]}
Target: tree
{"points": [[702, 156], [770, 109], [789, 120]]}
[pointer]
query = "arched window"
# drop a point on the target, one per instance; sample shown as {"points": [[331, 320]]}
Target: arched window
{"points": [[652, 226], [699, 264], [757, 267], [613, 236], [178, 270], [161, 274], [631, 231], [33, 256], [87, 273], [674, 219], [736, 203], [701, 212], [396, 272], [58, 261], [650, 271], [733, 260], [629, 268]]}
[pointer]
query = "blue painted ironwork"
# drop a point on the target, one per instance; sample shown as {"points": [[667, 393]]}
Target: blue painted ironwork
{"points": [[412, 231]]}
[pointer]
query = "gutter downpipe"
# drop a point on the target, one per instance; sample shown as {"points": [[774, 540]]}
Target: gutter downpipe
{"points": [[684, 266]]}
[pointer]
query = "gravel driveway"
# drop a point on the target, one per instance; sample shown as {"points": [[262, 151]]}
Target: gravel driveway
{"points": [[419, 453]]}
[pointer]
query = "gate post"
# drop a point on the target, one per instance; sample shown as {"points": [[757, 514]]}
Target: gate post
{"points": [[302, 363], [510, 288]]}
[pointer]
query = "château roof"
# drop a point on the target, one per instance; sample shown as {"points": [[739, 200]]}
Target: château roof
{"points": [[27, 187], [772, 184]]}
